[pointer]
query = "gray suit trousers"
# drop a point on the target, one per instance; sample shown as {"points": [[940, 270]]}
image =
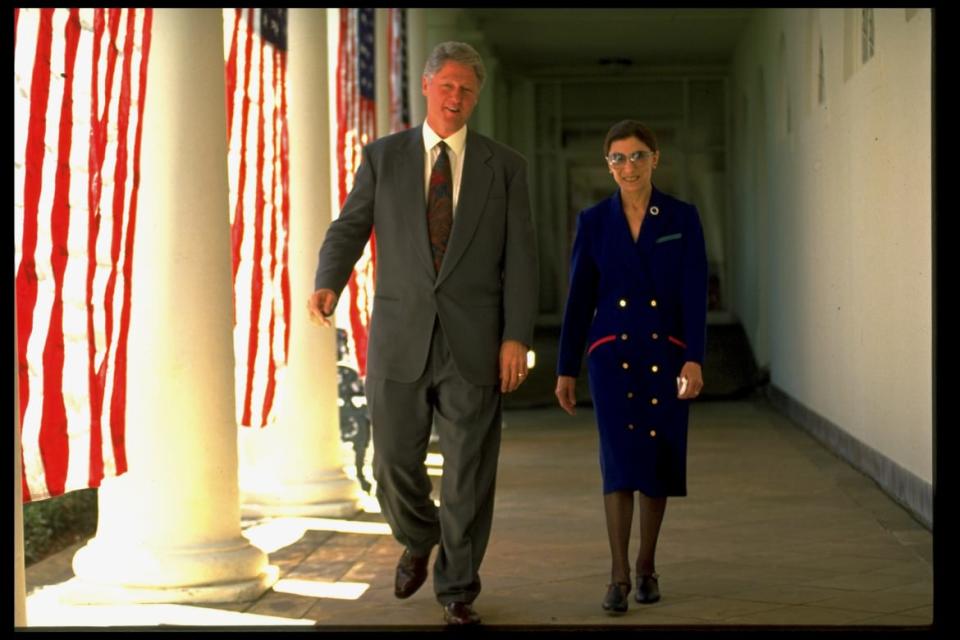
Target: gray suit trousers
{"points": [[468, 419]]}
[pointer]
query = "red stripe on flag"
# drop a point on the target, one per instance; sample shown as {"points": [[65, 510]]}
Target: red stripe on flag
{"points": [[93, 229], [119, 399], [342, 92], [51, 431], [119, 181], [244, 119], [27, 272], [256, 297], [356, 126], [271, 360], [261, 279], [231, 74], [285, 183], [54, 438], [112, 49]]}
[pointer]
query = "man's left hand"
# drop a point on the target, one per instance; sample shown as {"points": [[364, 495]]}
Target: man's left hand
{"points": [[513, 365]]}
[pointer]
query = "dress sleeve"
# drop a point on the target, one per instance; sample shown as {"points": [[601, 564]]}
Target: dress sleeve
{"points": [[694, 285], [581, 301]]}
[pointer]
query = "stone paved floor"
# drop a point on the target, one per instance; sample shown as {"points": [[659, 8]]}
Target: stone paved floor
{"points": [[776, 530]]}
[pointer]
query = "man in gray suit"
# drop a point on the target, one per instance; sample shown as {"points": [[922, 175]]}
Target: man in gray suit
{"points": [[453, 316]]}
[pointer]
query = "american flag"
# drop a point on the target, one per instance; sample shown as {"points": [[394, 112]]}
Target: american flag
{"points": [[356, 126], [80, 77], [397, 63], [258, 168]]}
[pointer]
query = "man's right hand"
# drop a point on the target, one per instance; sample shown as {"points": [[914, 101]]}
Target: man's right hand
{"points": [[321, 305]]}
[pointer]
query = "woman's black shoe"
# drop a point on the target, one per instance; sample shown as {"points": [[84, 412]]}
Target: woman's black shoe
{"points": [[648, 589], [616, 599]]}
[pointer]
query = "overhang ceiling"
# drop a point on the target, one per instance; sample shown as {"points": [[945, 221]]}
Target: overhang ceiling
{"points": [[540, 39]]}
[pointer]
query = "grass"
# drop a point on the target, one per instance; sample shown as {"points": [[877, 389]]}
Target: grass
{"points": [[56, 523]]}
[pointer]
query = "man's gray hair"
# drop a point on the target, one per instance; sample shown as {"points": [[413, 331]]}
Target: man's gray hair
{"points": [[459, 52]]}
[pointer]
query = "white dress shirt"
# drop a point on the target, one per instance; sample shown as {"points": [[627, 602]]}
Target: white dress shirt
{"points": [[456, 145]]}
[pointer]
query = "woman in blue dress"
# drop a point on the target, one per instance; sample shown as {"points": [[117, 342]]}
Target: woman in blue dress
{"points": [[637, 303]]}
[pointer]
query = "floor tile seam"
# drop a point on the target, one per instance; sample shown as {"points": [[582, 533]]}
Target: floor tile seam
{"points": [[818, 607], [818, 604], [768, 608], [855, 552], [819, 583], [339, 576], [850, 607], [925, 606]]}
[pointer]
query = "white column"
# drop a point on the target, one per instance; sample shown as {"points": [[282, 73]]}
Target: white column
{"points": [[417, 53], [19, 571], [382, 71], [169, 528], [295, 466]]}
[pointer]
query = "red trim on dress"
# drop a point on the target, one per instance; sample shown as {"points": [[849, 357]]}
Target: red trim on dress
{"points": [[600, 341]]}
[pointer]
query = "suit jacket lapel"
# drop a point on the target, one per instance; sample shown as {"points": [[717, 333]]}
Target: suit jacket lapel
{"points": [[650, 235], [652, 223], [474, 186], [625, 249], [410, 198]]}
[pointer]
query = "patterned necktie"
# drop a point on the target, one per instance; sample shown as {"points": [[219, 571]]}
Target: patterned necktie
{"points": [[440, 206]]}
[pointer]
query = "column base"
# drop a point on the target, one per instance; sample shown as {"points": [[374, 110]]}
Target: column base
{"points": [[113, 570], [78, 591], [334, 498]]}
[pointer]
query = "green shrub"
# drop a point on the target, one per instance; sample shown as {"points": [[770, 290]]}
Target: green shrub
{"points": [[56, 523]]}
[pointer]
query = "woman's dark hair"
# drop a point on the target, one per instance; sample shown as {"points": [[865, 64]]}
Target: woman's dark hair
{"points": [[629, 129]]}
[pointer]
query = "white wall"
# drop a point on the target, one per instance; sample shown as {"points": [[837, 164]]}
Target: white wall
{"points": [[836, 295]]}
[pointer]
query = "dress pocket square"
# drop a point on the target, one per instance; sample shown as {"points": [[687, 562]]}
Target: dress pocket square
{"points": [[672, 236]]}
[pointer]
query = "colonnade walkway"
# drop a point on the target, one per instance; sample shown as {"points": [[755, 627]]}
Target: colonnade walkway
{"points": [[776, 530]]}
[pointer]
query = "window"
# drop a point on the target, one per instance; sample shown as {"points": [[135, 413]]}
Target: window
{"points": [[782, 109], [821, 77], [867, 35]]}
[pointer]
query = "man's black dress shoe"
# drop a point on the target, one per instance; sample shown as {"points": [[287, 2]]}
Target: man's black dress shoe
{"points": [[460, 613], [648, 589], [616, 599], [411, 574]]}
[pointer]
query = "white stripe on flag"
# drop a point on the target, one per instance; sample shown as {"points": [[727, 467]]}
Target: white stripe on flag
{"points": [[262, 246], [32, 420], [66, 458], [27, 37], [76, 379], [110, 218], [136, 55]]}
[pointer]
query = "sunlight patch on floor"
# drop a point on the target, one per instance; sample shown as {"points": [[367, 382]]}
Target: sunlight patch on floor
{"points": [[320, 589], [45, 609], [272, 534]]}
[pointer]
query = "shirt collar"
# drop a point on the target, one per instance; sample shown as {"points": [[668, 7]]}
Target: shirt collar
{"points": [[456, 142]]}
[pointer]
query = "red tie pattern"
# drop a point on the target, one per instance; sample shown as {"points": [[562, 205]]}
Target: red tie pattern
{"points": [[440, 206]]}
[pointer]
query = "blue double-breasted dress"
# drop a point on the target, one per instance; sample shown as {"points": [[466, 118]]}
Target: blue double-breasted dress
{"points": [[639, 310]]}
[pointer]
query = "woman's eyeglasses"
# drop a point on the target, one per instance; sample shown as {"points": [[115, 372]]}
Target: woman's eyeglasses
{"points": [[617, 159]]}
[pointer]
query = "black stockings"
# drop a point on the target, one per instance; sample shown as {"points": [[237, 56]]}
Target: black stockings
{"points": [[618, 506]]}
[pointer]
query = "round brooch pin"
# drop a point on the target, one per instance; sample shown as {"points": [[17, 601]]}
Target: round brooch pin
{"points": [[655, 211]]}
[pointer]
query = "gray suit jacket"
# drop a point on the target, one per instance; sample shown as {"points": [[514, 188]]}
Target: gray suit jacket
{"points": [[487, 290]]}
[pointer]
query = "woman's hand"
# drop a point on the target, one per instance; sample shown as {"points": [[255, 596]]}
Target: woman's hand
{"points": [[567, 393], [694, 376]]}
